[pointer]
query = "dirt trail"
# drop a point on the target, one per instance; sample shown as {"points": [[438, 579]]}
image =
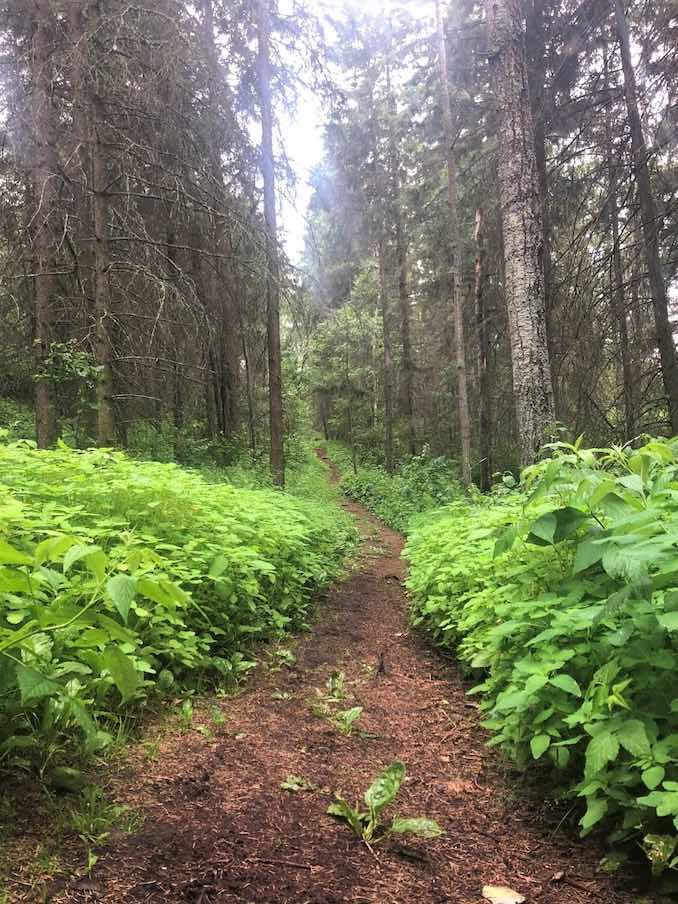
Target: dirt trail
{"points": [[218, 827]]}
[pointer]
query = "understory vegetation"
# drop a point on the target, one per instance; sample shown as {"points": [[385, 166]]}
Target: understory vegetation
{"points": [[420, 484], [562, 598], [122, 581]]}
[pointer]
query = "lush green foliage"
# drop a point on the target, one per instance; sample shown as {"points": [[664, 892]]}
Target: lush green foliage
{"points": [[367, 824], [120, 579], [422, 483], [566, 597]]}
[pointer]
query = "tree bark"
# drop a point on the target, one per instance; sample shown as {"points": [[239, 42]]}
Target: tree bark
{"points": [[648, 212], [484, 398], [537, 80], [618, 303], [455, 256], [406, 366], [272, 258], [220, 300], [103, 319], [386, 356], [43, 175], [522, 228]]}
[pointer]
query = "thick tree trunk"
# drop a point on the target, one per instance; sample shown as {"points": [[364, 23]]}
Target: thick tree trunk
{"points": [[272, 258], [406, 366], [455, 257], [484, 398], [648, 212], [537, 81], [522, 228], [43, 176]]}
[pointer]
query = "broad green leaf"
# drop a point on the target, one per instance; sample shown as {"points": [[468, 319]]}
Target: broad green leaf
{"points": [[122, 589], [664, 802], [53, 548], [425, 828], [542, 531], [589, 551], [11, 556], [633, 737], [601, 750], [123, 672], [539, 745], [653, 777], [218, 567], [385, 788], [632, 482], [669, 620], [34, 686], [77, 552], [556, 526], [96, 562], [566, 683], [596, 808]]}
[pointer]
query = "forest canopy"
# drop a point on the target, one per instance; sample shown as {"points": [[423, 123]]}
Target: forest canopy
{"points": [[489, 253]]}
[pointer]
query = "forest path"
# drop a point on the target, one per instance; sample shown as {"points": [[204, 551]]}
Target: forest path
{"points": [[218, 827]]}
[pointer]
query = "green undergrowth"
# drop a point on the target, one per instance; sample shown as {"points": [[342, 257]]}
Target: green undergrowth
{"points": [[563, 600], [421, 484], [124, 581]]}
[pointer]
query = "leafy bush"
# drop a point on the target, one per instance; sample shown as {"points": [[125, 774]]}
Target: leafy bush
{"points": [[16, 421], [565, 597], [421, 484], [120, 578]]}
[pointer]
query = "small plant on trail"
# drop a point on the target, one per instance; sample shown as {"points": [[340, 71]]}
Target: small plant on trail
{"points": [[217, 716], [345, 719], [368, 825], [95, 817], [282, 657], [296, 783], [186, 716], [336, 687]]}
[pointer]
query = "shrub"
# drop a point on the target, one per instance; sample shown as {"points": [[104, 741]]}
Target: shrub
{"points": [[420, 485], [564, 598], [119, 579]]}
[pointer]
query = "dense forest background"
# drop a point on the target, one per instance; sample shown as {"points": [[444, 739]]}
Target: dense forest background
{"points": [[491, 243]]}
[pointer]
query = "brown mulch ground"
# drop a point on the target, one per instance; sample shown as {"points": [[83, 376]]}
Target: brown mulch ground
{"points": [[218, 827]]}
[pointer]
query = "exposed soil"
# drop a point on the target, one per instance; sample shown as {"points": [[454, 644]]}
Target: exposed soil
{"points": [[218, 827]]}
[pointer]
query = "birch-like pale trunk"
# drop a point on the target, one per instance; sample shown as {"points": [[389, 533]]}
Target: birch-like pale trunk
{"points": [[522, 227]]}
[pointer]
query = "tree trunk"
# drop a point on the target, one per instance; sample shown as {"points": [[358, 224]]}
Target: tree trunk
{"points": [[522, 228], [406, 367], [537, 81], [648, 212], [484, 413], [618, 303], [43, 175], [272, 259], [386, 357], [103, 321], [456, 257], [219, 299]]}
